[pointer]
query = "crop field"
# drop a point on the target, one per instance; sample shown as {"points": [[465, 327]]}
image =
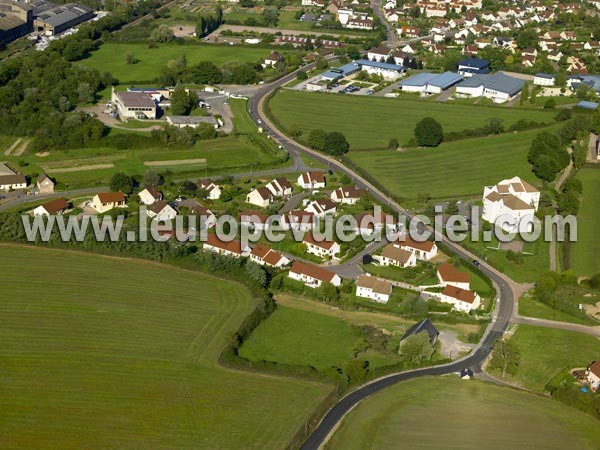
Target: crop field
{"points": [[111, 57], [452, 170], [545, 352], [584, 253], [448, 413], [370, 122], [95, 355]]}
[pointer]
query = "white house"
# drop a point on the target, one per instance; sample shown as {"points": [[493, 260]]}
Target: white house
{"points": [[254, 220], [322, 249], [348, 195], [450, 276], [260, 197], [368, 223], [266, 256], [373, 288], [544, 79], [273, 59], [212, 189], [44, 184], [311, 180], [460, 299], [394, 256], [58, 206], [425, 250], [232, 248], [207, 217], [108, 200], [149, 195], [280, 187], [313, 276], [515, 200], [321, 208], [592, 374], [161, 210], [298, 220]]}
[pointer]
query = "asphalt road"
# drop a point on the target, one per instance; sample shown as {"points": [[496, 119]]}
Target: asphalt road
{"points": [[505, 286]]}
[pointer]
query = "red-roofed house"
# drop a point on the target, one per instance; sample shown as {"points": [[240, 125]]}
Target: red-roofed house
{"points": [[265, 256], [108, 200], [232, 248], [313, 276], [322, 248], [423, 250], [592, 375], [450, 276], [311, 180], [460, 299], [58, 206]]}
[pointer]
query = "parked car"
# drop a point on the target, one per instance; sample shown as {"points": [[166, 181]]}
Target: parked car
{"points": [[369, 92]]}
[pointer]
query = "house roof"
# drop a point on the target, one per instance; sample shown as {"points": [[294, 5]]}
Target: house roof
{"points": [[312, 271], [55, 206], [340, 72], [231, 246], [459, 294], [323, 204], [449, 273], [313, 177], [264, 193], [594, 367], [349, 192], [13, 179], [43, 177], [424, 325], [474, 63], [376, 285], [420, 79], [152, 191], [135, 99], [548, 76], [158, 206], [515, 203], [425, 246], [384, 51], [325, 244], [111, 197], [260, 250], [380, 65], [397, 254]]}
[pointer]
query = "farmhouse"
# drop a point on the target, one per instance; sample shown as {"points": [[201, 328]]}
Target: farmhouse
{"points": [[473, 66], [425, 326], [348, 195], [313, 276], [58, 206], [498, 87], [233, 248], [149, 195], [394, 256], [265, 256], [544, 79], [280, 187], [514, 200], [260, 197], [134, 105], [425, 250], [592, 375], [321, 208], [213, 191], [450, 276], [311, 180], [373, 288], [44, 184], [161, 210], [322, 249], [108, 200], [12, 182], [460, 299]]}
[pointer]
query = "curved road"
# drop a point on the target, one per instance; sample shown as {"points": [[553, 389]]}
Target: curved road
{"points": [[506, 288]]}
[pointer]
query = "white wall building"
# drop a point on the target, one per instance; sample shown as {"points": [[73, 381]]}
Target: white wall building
{"points": [[373, 288], [514, 201], [313, 276]]}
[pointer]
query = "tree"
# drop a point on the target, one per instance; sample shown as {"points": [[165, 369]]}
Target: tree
{"points": [[301, 75], [505, 357], [494, 125], [328, 293], [257, 273], [316, 139], [206, 72], [121, 182], [336, 144], [152, 178], [416, 348], [182, 102], [161, 34], [568, 203], [130, 58], [270, 16], [527, 38], [393, 144], [429, 133], [244, 74], [550, 104], [524, 94]]}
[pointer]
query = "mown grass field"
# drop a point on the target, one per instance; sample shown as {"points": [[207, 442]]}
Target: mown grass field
{"points": [[531, 307], [109, 353], [448, 413], [111, 57], [545, 352], [370, 122], [452, 170], [584, 253]]}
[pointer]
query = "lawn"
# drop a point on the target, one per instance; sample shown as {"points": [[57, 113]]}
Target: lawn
{"points": [[111, 57], [545, 352], [370, 122], [448, 413], [453, 170], [531, 307], [95, 356], [584, 253]]}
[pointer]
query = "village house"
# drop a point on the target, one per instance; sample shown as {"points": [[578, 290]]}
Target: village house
{"points": [[161, 211], [266, 256], [280, 187], [373, 288], [397, 257], [321, 208], [232, 248], [368, 223], [213, 190], [348, 195], [424, 326], [207, 218], [106, 201], [460, 299], [149, 195], [298, 220], [44, 184], [311, 180], [55, 207], [425, 250], [313, 276], [451, 276], [592, 375], [273, 59], [513, 199], [261, 197], [254, 220], [323, 248]]}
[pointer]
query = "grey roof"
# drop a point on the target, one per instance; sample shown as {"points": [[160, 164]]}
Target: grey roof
{"points": [[340, 72], [497, 82], [63, 14], [548, 76], [192, 120], [475, 63], [445, 80], [40, 6], [419, 79], [424, 325], [381, 65]]}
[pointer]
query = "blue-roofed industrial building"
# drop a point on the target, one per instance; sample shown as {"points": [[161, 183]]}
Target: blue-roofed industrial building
{"points": [[592, 81], [544, 79], [340, 72], [498, 87], [430, 83], [473, 66], [587, 105], [418, 82], [388, 71]]}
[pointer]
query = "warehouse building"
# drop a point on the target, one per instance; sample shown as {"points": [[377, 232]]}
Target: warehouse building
{"points": [[16, 20], [61, 18]]}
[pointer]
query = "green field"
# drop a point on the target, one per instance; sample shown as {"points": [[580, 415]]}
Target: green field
{"points": [[545, 352], [448, 413], [370, 122], [103, 353], [531, 307], [456, 169], [111, 57], [584, 253]]}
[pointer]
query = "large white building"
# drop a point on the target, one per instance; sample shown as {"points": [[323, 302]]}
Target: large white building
{"points": [[514, 201], [498, 87]]}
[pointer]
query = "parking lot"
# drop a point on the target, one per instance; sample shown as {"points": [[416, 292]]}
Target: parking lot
{"points": [[349, 86]]}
